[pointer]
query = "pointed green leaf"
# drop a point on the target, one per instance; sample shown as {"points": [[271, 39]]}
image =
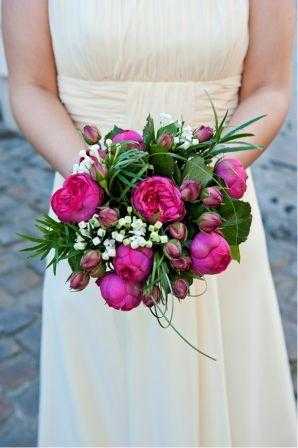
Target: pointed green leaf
{"points": [[236, 220], [196, 169]]}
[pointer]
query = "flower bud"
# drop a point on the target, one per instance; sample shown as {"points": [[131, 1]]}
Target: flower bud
{"points": [[180, 288], [98, 271], [91, 134], [190, 190], [108, 216], [203, 133], [209, 221], [211, 197], [166, 141], [181, 263], [172, 249], [79, 281], [90, 260], [152, 297], [178, 230], [98, 167]]}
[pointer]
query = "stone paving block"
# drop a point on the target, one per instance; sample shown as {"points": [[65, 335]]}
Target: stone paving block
{"points": [[6, 408], [8, 348], [12, 320], [27, 400], [31, 300], [6, 300], [19, 433], [17, 372], [30, 338], [25, 280]]}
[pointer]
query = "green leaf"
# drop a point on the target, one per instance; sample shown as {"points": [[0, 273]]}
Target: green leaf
{"points": [[171, 128], [148, 131], [195, 210], [163, 162], [113, 132], [237, 218], [196, 169], [243, 125], [223, 149], [235, 253]]}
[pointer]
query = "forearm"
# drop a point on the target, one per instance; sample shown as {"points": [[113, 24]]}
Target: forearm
{"points": [[265, 100], [46, 124]]}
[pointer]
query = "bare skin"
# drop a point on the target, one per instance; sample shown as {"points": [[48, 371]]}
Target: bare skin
{"points": [[266, 85]]}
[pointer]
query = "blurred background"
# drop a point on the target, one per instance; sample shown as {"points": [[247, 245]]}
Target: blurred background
{"points": [[25, 186]]}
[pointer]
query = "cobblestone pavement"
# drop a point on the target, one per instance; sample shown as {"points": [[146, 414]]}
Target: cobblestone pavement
{"points": [[25, 183]]}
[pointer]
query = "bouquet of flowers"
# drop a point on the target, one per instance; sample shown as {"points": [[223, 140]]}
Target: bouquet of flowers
{"points": [[146, 214]]}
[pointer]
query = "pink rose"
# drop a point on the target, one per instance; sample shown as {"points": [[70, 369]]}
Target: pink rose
{"points": [[158, 199], [210, 253], [77, 199], [119, 293], [133, 137], [232, 172], [133, 265]]}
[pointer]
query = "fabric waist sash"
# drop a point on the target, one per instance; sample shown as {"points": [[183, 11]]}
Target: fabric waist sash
{"points": [[127, 103]]}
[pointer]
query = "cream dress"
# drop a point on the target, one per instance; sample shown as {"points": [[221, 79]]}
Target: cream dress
{"points": [[111, 378]]}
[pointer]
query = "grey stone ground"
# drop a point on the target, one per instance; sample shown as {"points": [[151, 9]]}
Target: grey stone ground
{"points": [[25, 183]]}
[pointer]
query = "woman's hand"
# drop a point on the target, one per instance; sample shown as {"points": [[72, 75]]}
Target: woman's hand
{"points": [[32, 82], [267, 75]]}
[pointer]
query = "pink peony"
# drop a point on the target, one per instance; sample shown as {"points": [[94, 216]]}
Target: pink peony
{"points": [[232, 172], [158, 199], [133, 137], [119, 293], [133, 265], [77, 199], [210, 253]]}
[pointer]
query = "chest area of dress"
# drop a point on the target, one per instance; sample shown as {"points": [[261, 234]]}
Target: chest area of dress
{"points": [[149, 40]]}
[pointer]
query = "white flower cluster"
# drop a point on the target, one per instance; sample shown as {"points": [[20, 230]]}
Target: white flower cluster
{"points": [[86, 163], [137, 233], [186, 137]]}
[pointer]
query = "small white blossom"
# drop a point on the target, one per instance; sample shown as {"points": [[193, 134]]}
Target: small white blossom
{"points": [[195, 141], [129, 210], [126, 241], [118, 236], [109, 243], [94, 223], [108, 142], [134, 244], [158, 225], [164, 239], [82, 224], [105, 256], [176, 140], [149, 244], [82, 153], [155, 237], [165, 119], [101, 232], [111, 251], [85, 232], [96, 241], [127, 220], [75, 168], [94, 148], [79, 246]]}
